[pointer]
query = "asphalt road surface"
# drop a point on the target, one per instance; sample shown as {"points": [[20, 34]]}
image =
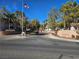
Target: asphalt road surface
{"points": [[38, 47]]}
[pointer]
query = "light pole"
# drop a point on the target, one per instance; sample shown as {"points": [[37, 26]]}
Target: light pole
{"points": [[25, 6]]}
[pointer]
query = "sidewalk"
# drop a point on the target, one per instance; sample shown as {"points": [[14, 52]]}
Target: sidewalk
{"points": [[17, 37], [63, 39], [11, 37], [14, 37]]}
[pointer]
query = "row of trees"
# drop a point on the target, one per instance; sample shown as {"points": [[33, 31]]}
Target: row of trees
{"points": [[71, 13], [9, 20], [63, 18]]}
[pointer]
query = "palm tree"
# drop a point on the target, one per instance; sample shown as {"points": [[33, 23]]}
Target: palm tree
{"points": [[3, 19], [11, 18], [20, 16], [7, 17], [1, 22], [22, 20]]}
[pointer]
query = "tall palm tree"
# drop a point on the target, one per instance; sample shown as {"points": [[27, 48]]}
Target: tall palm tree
{"points": [[20, 16], [1, 22], [3, 19], [11, 18]]}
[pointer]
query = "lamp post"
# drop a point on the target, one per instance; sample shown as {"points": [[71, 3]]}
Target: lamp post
{"points": [[25, 6]]}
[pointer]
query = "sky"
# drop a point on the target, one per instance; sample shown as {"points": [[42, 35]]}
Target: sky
{"points": [[38, 9]]}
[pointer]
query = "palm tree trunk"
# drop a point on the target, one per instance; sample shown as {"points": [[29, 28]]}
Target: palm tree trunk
{"points": [[64, 24], [9, 24]]}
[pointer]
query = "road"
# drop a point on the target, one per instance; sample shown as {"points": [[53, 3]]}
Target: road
{"points": [[38, 47]]}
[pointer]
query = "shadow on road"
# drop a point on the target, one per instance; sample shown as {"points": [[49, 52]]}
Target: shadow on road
{"points": [[38, 33]]}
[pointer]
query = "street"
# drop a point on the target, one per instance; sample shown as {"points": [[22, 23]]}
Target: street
{"points": [[38, 47]]}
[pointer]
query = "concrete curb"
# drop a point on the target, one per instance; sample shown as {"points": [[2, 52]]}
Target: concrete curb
{"points": [[63, 39], [11, 37]]}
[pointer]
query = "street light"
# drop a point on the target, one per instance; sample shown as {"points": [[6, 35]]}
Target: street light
{"points": [[25, 6]]}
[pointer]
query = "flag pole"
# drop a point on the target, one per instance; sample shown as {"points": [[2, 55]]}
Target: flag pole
{"points": [[25, 6], [22, 33]]}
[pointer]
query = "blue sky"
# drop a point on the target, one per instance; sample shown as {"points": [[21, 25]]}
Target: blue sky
{"points": [[39, 9]]}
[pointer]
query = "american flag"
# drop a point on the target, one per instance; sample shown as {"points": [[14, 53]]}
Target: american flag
{"points": [[26, 6]]}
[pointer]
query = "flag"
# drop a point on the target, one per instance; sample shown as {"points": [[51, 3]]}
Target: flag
{"points": [[26, 6]]}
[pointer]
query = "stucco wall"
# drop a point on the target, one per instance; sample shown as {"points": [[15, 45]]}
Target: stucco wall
{"points": [[67, 33]]}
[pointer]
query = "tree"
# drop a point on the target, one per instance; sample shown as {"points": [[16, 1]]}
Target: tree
{"points": [[16, 19], [35, 24], [2, 21], [52, 18], [60, 24], [11, 18], [20, 15], [22, 19], [70, 12], [2, 16], [7, 17]]}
